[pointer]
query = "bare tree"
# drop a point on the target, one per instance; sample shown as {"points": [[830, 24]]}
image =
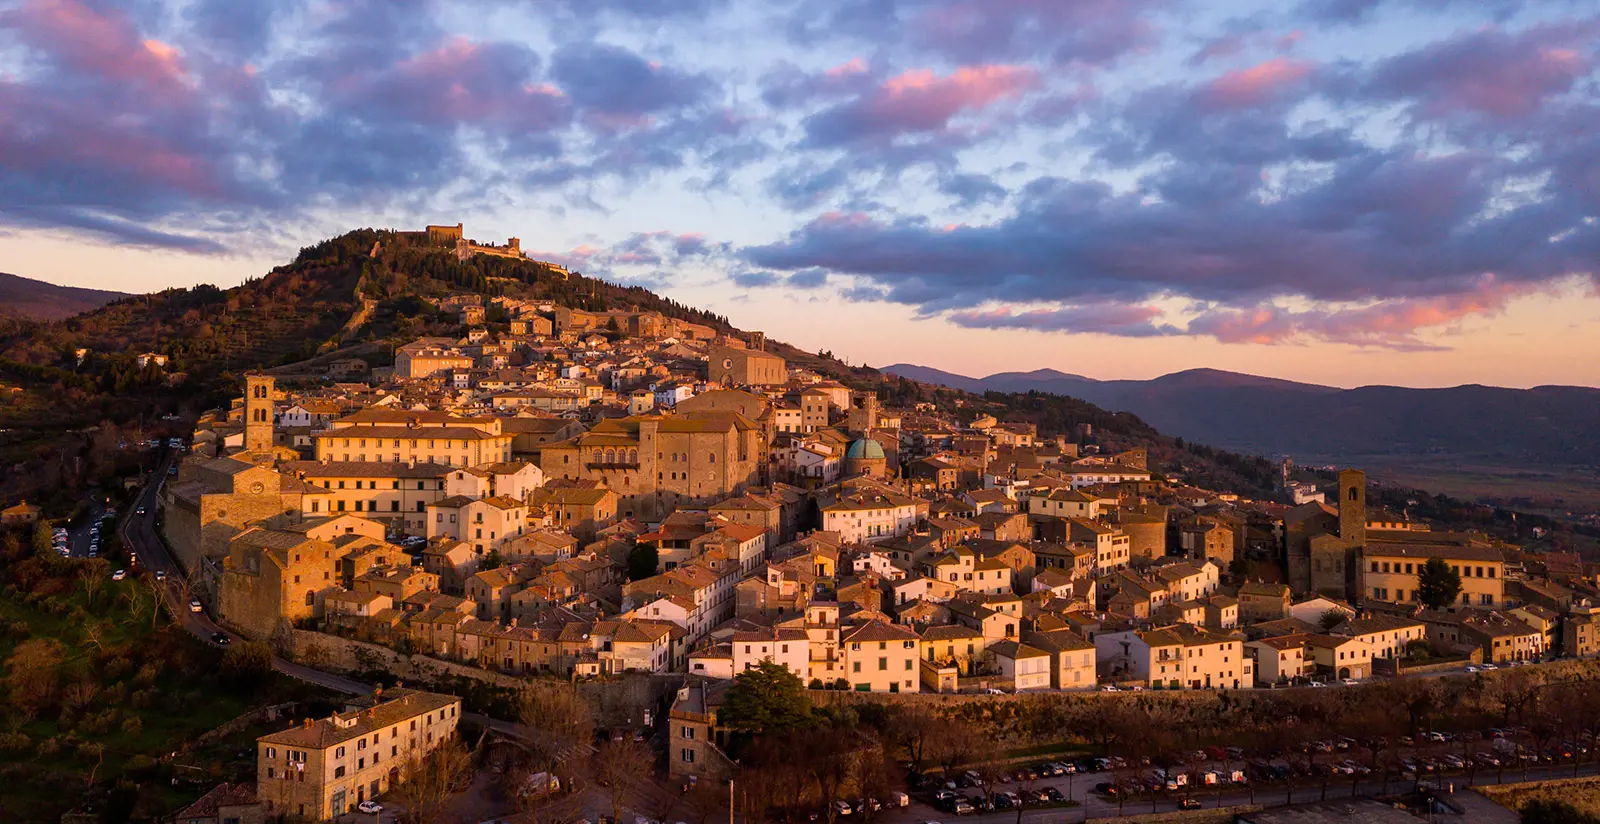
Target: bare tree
{"points": [[432, 779], [953, 746], [707, 798], [621, 767], [873, 777], [915, 727], [94, 573], [557, 725], [828, 755]]}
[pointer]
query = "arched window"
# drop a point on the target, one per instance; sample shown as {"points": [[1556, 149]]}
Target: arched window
{"points": [[1353, 493], [713, 457]]}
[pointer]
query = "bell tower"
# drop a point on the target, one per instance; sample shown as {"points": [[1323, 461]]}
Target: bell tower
{"points": [[258, 413], [1353, 507]]}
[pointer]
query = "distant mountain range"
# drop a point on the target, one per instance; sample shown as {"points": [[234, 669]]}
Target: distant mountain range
{"points": [[1546, 425], [28, 299]]}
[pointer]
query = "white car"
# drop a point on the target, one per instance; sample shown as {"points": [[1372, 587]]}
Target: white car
{"points": [[161, 575], [369, 807], [119, 575], [194, 605]]}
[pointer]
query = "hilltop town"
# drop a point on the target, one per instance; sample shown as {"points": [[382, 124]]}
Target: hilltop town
{"points": [[587, 494], [538, 493]]}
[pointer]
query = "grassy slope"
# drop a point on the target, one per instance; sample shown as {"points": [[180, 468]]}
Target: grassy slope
{"points": [[156, 688]]}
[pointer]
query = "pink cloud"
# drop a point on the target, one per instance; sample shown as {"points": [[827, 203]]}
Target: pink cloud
{"points": [[460, 81], [1392, 324], [1256, 85], [921, 101], [1126, 320], [855, 66], [1491, 71], [99, 43]]}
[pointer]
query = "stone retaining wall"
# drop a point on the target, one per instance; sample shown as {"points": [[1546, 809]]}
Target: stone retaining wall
{"points": [[1221, 815]]}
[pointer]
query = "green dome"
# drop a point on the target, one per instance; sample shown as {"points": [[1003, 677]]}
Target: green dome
{"points": [[865, 449]]}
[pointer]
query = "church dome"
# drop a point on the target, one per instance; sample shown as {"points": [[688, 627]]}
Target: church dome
{"points": [[865, 449]]}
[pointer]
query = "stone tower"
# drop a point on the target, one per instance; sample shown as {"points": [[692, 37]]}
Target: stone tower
{"points": [[758, 341], [1353, 507], [863, 415], [258, 413]]}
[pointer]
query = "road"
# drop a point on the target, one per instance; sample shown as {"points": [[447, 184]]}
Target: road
{"points": [[139, 535]]}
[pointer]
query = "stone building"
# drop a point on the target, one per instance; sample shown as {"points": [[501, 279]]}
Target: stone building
{"points": [[258, 413], [271, 576], [396, 436], [211, 501], [658, 464], [746, 367], [324, 768]]}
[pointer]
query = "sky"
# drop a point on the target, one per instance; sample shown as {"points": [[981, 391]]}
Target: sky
{"points": [[1340, 191]]}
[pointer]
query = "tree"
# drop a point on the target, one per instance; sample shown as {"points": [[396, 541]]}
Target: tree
{"points": [[559, 720], [1438, 586], [247, 664], [767, 698], [620, 767], [1551, 811], [1330, 619], [914, 727], [954, 745], [642, 561], [33, 674], [431, 780]]}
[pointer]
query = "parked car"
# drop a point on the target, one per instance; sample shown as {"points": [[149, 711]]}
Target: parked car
{"points": [[1054, 795], [1189, 804], [369, 807], [963, 807], [899, 799], [1106, 789], [119, 575], [842, 808], [195, 605]]}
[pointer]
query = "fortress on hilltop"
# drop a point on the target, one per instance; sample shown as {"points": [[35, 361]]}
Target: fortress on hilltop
{"points": [[466, 247]]}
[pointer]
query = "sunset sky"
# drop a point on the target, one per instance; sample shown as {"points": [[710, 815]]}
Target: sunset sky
{"points": [[1338, 191]]}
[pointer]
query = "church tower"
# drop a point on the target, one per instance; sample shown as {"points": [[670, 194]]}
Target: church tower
{"points": [[1353, 507], [258, 413]]}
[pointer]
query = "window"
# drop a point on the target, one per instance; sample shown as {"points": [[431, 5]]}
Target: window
{"points": [[338, 772]]}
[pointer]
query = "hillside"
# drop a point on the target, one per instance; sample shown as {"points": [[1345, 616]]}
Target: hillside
{"points": [[28, 299], [1416, 433]]}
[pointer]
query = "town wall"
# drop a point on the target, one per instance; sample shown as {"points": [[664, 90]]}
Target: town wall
{"points": [[616, 701]]}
